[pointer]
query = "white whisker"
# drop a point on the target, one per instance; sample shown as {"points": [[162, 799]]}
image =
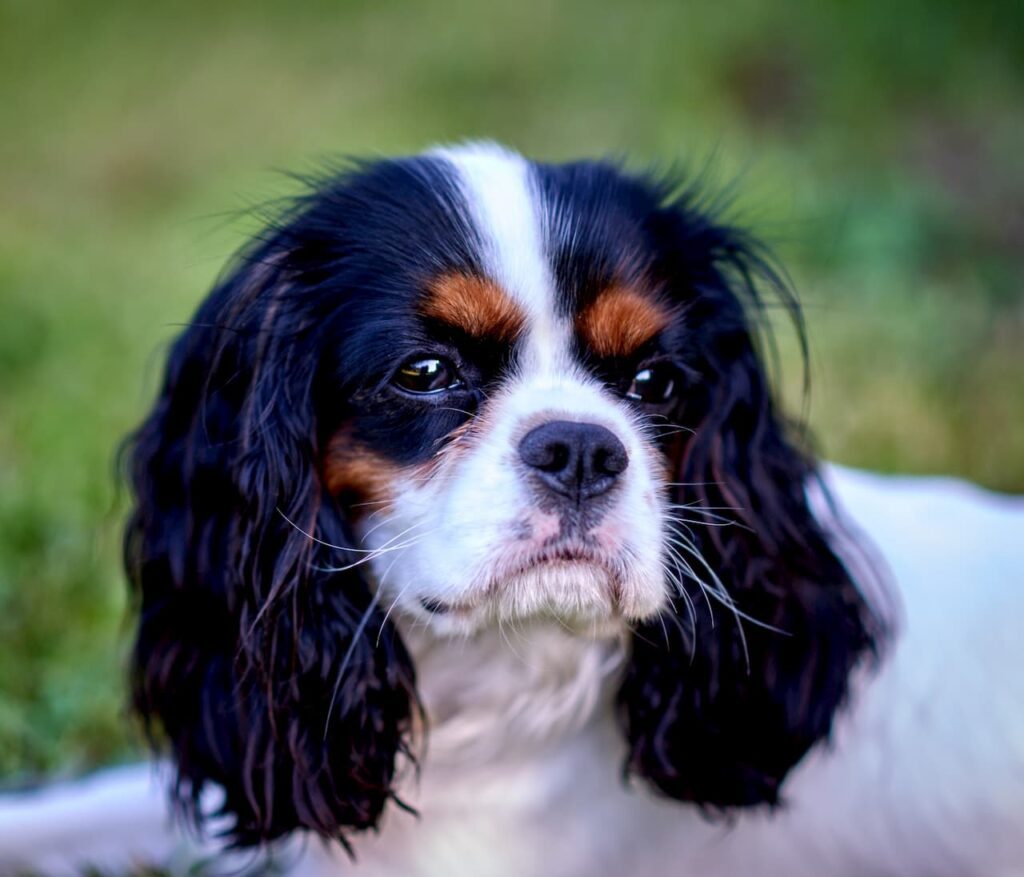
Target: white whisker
{"points": [[348, 657]]}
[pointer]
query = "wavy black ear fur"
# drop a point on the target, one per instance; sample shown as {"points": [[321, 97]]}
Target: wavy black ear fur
{"points": [[728, 690], [263, 671]]}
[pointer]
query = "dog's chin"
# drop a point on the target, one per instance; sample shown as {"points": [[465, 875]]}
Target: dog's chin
{"points": [[583, 597]]}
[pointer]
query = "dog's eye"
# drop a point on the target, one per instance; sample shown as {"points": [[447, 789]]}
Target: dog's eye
{"points": [[654, 384], [427, 375]]}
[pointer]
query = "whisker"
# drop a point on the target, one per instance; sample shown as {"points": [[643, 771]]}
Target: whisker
{"points": [[690, 611], [347, 548], [369, 502], [456, 410], [376, 527], [668, 432], [705, 523], [386, 548], [710, 519], [401, 593], [721, 594], [689, 571], [374, 553], [348, 657], [695, 507]]}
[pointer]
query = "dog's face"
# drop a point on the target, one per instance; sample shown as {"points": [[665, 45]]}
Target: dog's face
{"points": [[500, 453], [464, 388]]}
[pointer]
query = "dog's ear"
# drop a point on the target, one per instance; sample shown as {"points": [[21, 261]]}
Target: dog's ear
{"points": [[743, 673], [261, 660]]}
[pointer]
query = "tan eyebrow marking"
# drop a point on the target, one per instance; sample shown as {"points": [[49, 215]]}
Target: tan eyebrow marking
{"points": [[620, 320], [474, 304]]}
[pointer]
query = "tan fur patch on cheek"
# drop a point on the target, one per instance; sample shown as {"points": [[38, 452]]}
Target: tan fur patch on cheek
{"points": [[476, 305], [620, 320], [670, 460], [356, 475]]}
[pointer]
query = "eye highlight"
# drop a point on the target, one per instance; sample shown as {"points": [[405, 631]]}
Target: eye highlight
{"points": [[655, 384], [426, 375]]}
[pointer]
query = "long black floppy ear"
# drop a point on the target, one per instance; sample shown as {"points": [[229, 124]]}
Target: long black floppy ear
{"points": [[265, 668], [743, 673]]}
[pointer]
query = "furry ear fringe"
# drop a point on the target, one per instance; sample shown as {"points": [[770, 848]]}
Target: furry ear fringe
{"points": [[262, 671], [728, 690]]}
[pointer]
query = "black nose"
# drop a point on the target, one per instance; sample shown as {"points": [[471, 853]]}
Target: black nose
{"points": [[578, 461]]}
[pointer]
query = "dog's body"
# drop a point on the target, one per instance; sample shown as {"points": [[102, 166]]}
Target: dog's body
{"points": [[466, 492], [527, 782]]}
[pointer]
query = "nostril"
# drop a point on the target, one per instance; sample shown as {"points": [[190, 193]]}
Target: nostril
{"points": [[610, 461], [542, 450], [557, 458]]}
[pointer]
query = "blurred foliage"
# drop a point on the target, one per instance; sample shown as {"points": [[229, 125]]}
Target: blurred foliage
{"points": [[879, 146]]}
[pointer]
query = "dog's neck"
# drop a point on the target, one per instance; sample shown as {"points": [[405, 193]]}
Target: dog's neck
{"points": [[502, 694]]}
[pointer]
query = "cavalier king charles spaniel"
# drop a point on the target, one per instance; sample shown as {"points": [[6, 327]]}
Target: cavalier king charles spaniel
{"points": [[469, 538]]}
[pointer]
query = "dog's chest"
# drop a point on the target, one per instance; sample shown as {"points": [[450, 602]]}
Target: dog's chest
{"points": [[564, 812], [521, 768]]}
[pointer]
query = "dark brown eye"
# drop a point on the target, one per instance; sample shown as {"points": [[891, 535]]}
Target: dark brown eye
{"points": [[427, 375], [654, 384]]}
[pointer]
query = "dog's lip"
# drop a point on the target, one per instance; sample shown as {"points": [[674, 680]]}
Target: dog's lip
{"points": [[436, 607], [439, 607], [562, 556], [567, 555]]}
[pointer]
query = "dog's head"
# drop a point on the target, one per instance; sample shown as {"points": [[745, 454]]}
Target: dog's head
{"points": [[458, 389]]}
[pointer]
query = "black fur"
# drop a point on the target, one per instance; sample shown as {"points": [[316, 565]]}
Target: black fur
{"points": [[270, 671]]}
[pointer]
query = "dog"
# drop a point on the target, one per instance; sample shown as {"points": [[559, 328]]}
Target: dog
{"points": [[469, 539]]}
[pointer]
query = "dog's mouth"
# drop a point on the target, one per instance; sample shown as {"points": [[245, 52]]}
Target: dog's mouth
{"points": [[435, 607], [557, 563]]}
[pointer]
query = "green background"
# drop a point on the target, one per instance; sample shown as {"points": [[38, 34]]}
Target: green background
{"points": [[878, 146]]}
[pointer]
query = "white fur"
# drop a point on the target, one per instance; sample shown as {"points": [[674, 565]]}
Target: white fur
{"points": [[499, 187], [116, 817], [522, 775]]}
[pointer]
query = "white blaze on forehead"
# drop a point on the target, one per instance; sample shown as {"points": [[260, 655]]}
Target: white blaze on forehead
{"points": [[502, 196]]}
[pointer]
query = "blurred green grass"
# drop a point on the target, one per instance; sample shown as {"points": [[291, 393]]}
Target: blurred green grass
{"points": [[879, 146]]}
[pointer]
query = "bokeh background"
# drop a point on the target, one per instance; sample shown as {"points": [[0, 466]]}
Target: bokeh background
{"points": [[878, 146]]}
